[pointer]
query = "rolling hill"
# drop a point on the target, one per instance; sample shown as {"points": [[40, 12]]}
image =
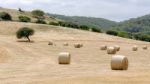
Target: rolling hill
{"points": [[135, 25], [90, 21]]}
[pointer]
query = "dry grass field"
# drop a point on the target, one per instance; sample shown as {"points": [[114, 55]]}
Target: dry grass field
{"points": [[37, 62]]}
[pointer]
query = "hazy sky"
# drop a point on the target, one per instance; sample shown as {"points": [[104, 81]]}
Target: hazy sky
{"points": [[117, 10]]}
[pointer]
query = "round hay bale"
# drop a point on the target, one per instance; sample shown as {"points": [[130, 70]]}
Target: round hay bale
{"points": [[119, 62], [135, 48], [77, 45], [64, 58], [111, 50], [145, 47], [50, 43], [117, 48], [66, 44], [103, 47]]}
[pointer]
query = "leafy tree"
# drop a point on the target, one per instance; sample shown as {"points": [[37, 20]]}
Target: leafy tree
{"points": [[24, 19], [5, 16], [38, 13], [24, 32]]}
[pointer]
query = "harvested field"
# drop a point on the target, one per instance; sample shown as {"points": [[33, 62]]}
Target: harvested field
{"points": [[37, 62]]}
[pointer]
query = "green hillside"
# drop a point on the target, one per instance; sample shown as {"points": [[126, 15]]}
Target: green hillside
{"points": [[135, 28], [104, 24], [135, 25]]}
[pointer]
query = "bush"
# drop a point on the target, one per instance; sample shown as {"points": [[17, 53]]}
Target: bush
{"points": [[41, 21], [142, 37], [68, 24], [96, 30], [124, 35], [24, 19], [38, 13], [72, 25], [24, 32], [112, 32], [5, 16], [54, 23], [84, 27]]}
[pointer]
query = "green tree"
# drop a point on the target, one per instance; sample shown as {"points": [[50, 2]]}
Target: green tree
{"points": [[38, 13], [24, 32], [24, 19], [5, 16]]}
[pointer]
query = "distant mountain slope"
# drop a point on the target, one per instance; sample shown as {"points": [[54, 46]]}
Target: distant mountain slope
{"points": [[135, 25], [90, 21]]}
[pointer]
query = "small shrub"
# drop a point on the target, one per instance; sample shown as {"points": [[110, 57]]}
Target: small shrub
{"points": [[68, 24], [84, 27], [24, 19], [41, 21], [96, 30], [112, 32], [24, 32], [54, 23], [142, 37], [5, 16]]}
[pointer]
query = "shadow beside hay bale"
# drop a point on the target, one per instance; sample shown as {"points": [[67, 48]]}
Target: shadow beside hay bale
{"points": [[25, 41]]}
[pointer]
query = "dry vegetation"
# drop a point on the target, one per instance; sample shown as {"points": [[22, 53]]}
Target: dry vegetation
{"points": [[15, 13], [37, 63]]}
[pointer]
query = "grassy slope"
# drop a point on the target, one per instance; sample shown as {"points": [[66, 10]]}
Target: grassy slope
{"points": [[15, 13], [36, 63]]}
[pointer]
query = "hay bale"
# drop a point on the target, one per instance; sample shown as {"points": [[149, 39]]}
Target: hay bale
{"points": [[119, 62], [77, 45], [64, 58], [66, 44], [135, 48], [111, 50], [50, 43], [103, 47], [145, 47], [117, 47]]}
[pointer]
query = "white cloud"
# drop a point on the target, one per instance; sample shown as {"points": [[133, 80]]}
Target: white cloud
{"points": [[111, 9]]}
